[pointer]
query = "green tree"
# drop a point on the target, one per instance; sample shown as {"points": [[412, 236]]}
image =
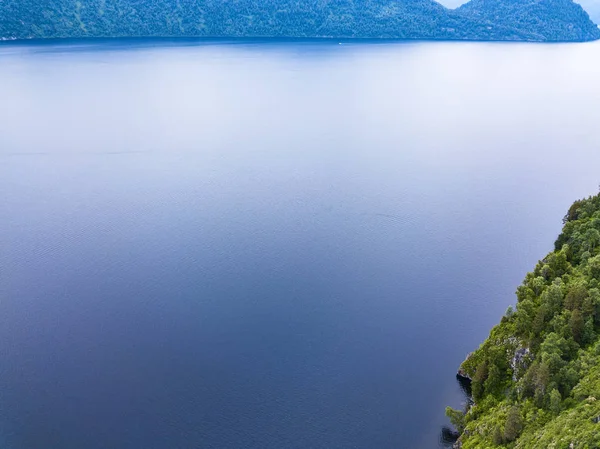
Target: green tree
{"points": [[594, 267], [589, 335], [537, 285], [541, 382], [493, 383], [514, 424], [591, 304], [557, 264], [481, 374], [497, 436], [509, 312], [524, 316], [540, 320], [573, 212], [577, 325], [574, 299], [555, 401], [591, 239], [457, 418], [567, 379], [553, 297]]}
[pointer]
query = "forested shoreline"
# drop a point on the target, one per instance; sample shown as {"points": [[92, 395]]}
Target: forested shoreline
{"points": [[515, 20], [535, 382]]}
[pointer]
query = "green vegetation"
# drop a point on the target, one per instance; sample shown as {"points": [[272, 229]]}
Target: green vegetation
{"points": [[533, 20], [543, 18], [536, 379]]}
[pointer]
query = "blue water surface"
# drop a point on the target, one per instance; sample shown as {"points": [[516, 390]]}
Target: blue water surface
{"points": [[271, 245]]}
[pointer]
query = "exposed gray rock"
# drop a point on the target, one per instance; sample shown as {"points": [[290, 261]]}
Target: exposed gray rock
{"points": [[520, 361]]}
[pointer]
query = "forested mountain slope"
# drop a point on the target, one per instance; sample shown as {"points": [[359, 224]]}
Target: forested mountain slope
{"points": [[536, 379], [550, 20], [540, 17], [592, 7]]}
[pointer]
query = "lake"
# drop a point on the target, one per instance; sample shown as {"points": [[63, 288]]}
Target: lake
{"points": [[254, 244]]}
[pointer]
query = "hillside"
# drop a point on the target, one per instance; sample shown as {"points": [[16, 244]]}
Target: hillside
{"points": [[536, 379], [592, 7], [543, 18], [533, 20]]}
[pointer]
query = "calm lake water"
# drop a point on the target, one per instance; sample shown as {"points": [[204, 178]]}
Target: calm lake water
{"points": [[271, 245]]}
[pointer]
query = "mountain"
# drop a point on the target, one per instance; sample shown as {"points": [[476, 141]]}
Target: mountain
{"points": [[452, 3], [592, 7], [535, 381], [533, 20], [543, 18]]}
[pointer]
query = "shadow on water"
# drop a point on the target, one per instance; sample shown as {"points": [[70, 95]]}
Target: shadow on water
{"points": [[449, 436], [465, 386]]}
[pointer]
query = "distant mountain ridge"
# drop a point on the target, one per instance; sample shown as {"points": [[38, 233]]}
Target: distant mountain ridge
{"points": [[538, 17], [592, 7], [528, 20]]}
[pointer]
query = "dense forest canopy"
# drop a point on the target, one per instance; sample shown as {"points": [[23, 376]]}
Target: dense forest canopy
{"points": [[534, 20], [536, 379]]}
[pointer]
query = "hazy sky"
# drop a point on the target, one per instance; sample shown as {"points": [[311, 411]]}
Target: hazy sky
{"points": [[591, 6], [453, 3]]}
